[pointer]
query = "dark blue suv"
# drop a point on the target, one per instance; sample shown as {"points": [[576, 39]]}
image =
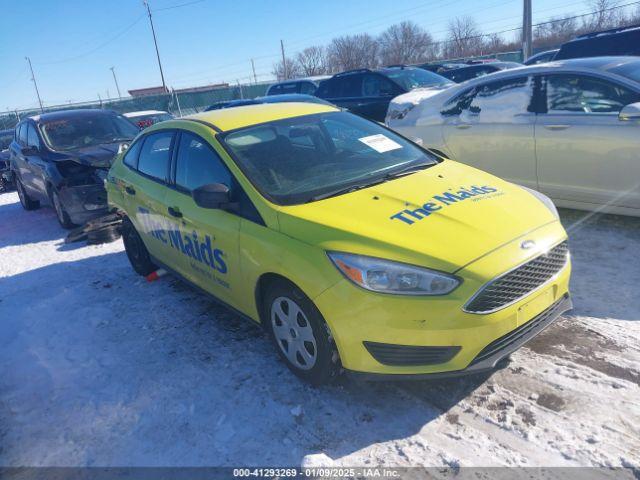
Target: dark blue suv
{"points": [[62, 158], [368, 92]]}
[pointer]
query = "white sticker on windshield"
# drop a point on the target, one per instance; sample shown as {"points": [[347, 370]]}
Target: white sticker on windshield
{"points": [[380, 143]]}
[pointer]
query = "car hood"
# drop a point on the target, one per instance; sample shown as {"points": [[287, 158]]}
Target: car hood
{"points": [[416, 95], [472, 214], [97, 156]]}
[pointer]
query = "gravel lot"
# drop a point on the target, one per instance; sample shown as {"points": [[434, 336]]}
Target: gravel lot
{"points": [[100, 368]]}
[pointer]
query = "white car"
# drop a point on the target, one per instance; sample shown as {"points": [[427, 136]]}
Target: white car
{"points": [[570, 129], [145, 118]]}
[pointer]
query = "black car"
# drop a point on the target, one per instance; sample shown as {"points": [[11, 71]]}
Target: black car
{"points": [[62, 158], [541, 57], [307, 86], [614, 42], [368, 92], [463, 74], [6, 137], [293, 97]]}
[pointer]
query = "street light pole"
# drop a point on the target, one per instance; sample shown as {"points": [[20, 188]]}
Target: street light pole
{"points": [[155, 42], [116, 80], [527, 34], [33, 78]]}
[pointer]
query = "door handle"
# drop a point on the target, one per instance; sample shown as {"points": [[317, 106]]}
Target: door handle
{"points": [[463, 126], [130, 190], [174, 212], [556, 127]]}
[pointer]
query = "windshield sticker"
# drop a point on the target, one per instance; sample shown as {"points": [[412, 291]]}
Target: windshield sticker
{"points": [[443, 200], [380, 143]]}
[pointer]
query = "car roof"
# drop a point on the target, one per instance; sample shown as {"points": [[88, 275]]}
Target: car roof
{"points": [[238, 117], [74, 113], [312, 79], [143, 112]]}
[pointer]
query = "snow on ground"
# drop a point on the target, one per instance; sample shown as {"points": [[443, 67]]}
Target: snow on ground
{"points": [[100, 368]]}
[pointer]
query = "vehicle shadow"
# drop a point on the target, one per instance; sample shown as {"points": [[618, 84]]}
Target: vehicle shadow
{"points": [[35, 226]]}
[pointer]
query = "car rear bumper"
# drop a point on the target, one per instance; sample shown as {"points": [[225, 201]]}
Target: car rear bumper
{"points": [[491, 355]]}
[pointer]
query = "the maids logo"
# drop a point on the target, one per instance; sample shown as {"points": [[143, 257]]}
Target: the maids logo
{"points": [[438, 202]]}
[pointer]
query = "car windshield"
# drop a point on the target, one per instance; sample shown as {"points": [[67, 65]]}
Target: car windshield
{"points": [[86, 130], [299, 159], [5, 141], [410, 78], [630, 70]]}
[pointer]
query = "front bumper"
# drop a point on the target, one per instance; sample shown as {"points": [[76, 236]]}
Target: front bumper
{"points": [[84, 202], [493, 353], [361, 321]]}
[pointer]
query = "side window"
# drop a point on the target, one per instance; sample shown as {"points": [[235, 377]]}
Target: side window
{"points": [[500, 100], [32, 137], [23, 135], [580, 93], [289, 88], [275, 90], [329, 88], [155, 155], [198, 164], [307, 88], [350, 86], [131, 156], [376, 86]]}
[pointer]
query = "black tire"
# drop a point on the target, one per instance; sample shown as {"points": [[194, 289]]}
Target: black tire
{"points": [[25, 200], [137, 253], [61, 212], [326, 361]]}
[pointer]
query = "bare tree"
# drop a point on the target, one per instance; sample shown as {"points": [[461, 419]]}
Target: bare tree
{"points": [[290, 69], [555, 32], [313, 61], [604, 14], [406, 42], [352, 51], [464, 38]]}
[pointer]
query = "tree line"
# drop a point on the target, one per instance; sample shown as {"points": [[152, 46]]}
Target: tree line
{"points": [[409, 43]]}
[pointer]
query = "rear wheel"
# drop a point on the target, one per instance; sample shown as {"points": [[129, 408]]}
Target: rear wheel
{"points": [[61, 212], [136, 251], [300, 334], [25, 200]]}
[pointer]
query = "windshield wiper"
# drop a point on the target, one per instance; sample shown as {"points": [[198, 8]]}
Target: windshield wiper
{"points": [[408, 170], [344, 190]]}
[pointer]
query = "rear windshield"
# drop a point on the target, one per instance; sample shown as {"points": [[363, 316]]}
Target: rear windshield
{"points": [[144, 121], [410, 78], [86, 131], [293, 160]]}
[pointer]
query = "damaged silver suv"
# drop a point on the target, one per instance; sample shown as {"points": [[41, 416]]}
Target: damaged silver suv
{"points": [[62, 158]]}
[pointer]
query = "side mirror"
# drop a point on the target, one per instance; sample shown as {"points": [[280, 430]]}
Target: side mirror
{"points": [[212, 195], [630, 112], [26, 151]]}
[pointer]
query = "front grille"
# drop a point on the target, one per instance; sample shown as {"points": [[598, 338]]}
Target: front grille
{"points": [[519, 282], [537, 323], [410, 355]]}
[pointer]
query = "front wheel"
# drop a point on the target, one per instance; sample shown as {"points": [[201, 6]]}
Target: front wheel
{"points": [[300, 334], [61, 212], [25, 200], [136, 251]]}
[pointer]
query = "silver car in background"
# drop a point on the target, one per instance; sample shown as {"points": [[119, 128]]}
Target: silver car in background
{"points": [[570, 129]]}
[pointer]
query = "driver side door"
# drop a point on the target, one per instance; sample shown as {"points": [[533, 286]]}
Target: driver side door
{"points": [[585, 153]]}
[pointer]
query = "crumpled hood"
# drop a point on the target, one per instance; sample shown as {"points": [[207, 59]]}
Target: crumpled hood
{"points": [[97, 156], [443, 217]]}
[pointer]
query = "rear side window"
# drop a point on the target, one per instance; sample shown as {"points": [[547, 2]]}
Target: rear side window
{"points": [[32, 137], [197, 164], [581, 93], [155, 155], [23, 134], [307, 88], [346, 86], [131, 157]]}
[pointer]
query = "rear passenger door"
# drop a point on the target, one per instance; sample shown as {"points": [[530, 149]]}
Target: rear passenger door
{"points": [[344, 91], [145, 190], [209, 238], [585, 153]]}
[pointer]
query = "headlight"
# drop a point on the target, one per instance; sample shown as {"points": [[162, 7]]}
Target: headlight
{"points": [[385, 276], [401, 111], [545, 200]]}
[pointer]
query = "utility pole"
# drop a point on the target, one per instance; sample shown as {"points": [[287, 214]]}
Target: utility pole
{"points": [[33, 78], [284, 62], [527, 36], [116, 80], [155, 42], [253, 67]]}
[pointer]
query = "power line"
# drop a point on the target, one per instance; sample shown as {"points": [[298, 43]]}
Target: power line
{"points": [[180, 5]]}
